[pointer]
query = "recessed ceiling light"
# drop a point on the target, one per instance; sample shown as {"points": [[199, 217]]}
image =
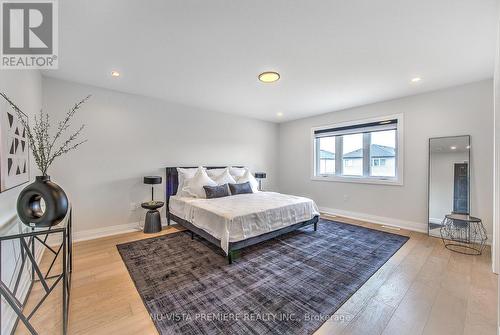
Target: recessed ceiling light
{"points": [[115, 74], [416, 79], [453, 148], [269, 77], [467, 147], [280, 114]]}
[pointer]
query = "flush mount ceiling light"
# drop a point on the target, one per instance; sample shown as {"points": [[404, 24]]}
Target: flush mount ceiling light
{"points": [[416, 79], [279, 114], [269, 77], [115, 74]]}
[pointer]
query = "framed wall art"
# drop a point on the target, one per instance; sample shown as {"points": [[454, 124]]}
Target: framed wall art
{"points": [[14, 151]]}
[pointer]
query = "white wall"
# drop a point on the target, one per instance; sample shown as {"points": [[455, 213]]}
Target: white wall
{"points": [[24, 88], [132, 136], [463, 110], [496, 179]]}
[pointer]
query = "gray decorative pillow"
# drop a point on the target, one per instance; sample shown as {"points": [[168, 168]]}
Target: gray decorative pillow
{"points": [[217, 191], [240, 188]]}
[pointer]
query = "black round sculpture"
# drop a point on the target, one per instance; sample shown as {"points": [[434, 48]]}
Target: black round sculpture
{"points": [[29, 203]]}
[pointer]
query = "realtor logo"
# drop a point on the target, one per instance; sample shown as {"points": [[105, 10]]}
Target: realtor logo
{"points": [[29, 34]]}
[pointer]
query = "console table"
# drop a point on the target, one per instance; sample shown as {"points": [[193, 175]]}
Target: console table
{"points": [[30, 239]]}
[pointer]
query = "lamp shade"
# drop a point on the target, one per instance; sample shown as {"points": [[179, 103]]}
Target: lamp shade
{"points": [[260, 175], [152, 180]]}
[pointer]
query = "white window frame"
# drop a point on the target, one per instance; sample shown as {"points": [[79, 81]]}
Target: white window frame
{"points": [[382, 180]]}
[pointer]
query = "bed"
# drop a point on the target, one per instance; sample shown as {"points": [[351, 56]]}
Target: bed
{"points": [[235, 222]]}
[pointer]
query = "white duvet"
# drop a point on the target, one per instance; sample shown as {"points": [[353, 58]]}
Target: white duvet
{"points": [[238, 217]]}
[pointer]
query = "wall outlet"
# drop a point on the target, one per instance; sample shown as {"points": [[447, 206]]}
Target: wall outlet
{"points": [[133, 206]]}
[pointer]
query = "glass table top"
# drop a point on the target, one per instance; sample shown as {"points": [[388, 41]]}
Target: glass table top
{"points": [[16, 228], [463, 217]]}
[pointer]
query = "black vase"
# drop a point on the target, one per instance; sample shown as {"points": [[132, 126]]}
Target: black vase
{"points": [[29, 206]]}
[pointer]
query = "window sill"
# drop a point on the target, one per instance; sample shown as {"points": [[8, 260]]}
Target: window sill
{"points": [[359, 180]]}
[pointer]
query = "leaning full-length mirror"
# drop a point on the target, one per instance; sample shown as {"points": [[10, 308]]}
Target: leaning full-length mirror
{"points": [[449, 179]]}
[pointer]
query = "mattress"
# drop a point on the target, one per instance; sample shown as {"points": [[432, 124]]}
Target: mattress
{"points": [[239, 217]]}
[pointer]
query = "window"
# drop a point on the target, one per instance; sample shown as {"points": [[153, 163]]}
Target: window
{"points": [[378, 161], [368, 151], [383, 153], [352, 154], [326, 163]]}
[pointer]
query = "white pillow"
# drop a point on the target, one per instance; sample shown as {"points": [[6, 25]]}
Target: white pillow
{"points": [[214, 173], [237, 172], [247, 176], [224, 178], [182, 176], [194, 186]]}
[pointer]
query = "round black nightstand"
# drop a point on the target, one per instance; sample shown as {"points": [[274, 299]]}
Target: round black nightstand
{"points": [[152, 223]]}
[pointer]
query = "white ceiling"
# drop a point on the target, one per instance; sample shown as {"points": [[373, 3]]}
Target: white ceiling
{"points": [[331, 54]]}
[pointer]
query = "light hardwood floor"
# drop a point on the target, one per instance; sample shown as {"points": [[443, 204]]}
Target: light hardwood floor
{"points": [[422, 289]]}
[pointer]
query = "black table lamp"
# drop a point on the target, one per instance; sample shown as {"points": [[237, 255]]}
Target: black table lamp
{"points": [[259, 176], [152, 180]]}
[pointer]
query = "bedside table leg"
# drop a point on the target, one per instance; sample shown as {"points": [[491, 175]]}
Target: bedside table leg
{"points": [[152, 223]]}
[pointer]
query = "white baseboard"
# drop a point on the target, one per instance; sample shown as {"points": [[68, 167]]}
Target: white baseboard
{"points": [[91, 234], [403, 224], [382, 220], [435, 221]]}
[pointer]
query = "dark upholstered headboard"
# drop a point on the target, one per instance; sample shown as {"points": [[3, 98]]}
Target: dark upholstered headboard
{"points": [[172, 180]]}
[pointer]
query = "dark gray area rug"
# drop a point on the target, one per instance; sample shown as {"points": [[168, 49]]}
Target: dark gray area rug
{"points": [[288, 285]]}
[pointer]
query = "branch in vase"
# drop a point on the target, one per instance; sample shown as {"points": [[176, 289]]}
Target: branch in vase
{"points": [[39, 139]]}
